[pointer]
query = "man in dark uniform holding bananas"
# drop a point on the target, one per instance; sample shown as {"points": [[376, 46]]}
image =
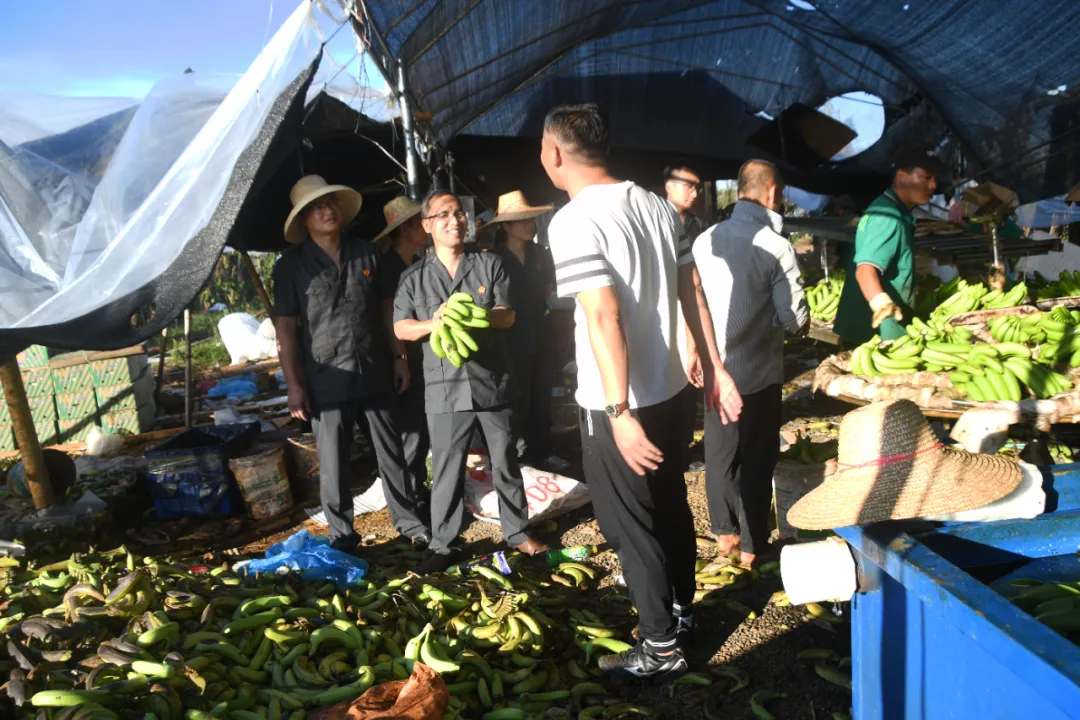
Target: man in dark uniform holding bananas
{"points": [[880, 288], [458, 299]]}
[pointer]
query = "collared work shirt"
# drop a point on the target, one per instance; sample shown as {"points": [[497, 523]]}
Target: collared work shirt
{"points": [[483, 380], [885, 239], [751, 279], [394, 267], [344, 351], [528, 291]]}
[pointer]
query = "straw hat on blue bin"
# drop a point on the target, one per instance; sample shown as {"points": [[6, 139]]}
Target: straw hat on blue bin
{"points": [[892, 466]]}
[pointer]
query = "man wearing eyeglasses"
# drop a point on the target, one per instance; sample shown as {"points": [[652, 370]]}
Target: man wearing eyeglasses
{"points": [[458, 399], [683, 186]]}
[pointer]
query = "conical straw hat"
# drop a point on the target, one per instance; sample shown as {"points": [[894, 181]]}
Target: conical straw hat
{"points": [[891, 466], [396, 212], [313, 187]]}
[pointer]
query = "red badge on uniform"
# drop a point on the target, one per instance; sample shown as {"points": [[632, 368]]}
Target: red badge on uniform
{"points": [[482, 289], [367, 271]]}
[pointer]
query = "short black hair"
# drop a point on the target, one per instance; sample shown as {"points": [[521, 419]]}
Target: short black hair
{"points": [[680, 164], [582, 129], [909, 158], [425, 205], [756, 174]]}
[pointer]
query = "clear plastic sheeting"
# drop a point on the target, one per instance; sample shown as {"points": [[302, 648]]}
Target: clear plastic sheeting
{"points": [[83, 227]]}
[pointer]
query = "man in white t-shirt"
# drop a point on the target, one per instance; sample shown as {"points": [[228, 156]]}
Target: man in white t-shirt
{"points": [[621, 252]]}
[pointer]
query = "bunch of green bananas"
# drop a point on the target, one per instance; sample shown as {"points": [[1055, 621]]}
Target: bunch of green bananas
{"points": [[807, 452], [1012, 329], [969, 297], [1056, 605], [824, 298], [1062, 454], [111, 635], [908, 354], [450, 339], [1062, 329], [1067, 285], [998, 300]]}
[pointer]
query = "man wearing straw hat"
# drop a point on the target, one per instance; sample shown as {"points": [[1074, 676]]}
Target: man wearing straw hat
{"points": [[620, 251], [530, 285], [476, 394], [402, 240], [340, 358]]}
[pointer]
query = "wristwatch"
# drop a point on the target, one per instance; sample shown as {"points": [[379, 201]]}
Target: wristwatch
{"points": [[614, 411], [402, 356]]}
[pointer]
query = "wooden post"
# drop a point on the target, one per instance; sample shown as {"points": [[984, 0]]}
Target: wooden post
{"points": [[37, 477], [187, 367], [263, 295], [161, 366]]}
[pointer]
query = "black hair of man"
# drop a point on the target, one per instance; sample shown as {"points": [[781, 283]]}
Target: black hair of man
{"points": [[581, 130], [755, 176], [432, 196], [680, 164]]}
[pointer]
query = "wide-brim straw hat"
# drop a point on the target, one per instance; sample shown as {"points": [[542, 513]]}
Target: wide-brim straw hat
{"points": [[891, 466], [513, 206], [398, 211], [310, 188]]}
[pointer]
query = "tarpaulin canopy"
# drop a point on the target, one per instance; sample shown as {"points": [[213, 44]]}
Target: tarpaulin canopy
{"points": [[693, 76]]}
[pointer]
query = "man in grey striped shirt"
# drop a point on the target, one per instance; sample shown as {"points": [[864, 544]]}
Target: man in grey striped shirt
{"points": [[751, 280]]}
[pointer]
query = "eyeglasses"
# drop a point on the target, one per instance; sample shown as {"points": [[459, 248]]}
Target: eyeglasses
{"points": [[688, 183], [446, 215]]}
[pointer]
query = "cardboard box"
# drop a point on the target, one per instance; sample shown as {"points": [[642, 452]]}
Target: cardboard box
{"points": [[46, 432], [35, 356], [118, 371], [42, 409], [114, 398], [76, 430], [72, 379], [38, 382], [5, 417], [77, 406], [7, 438], [128, 422]]}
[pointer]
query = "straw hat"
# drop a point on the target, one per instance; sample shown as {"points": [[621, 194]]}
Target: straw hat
{"points": [[397, 211], [514, 206], [892, 466], [313, 187], [1074, 194]]}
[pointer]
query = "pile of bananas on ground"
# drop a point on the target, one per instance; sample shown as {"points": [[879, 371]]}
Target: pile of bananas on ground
{"points": [[1067, 285], [451, 340], [1062, 454], [824, 298], [111, 635], [961, 297], [981, 371], [807, 452]]}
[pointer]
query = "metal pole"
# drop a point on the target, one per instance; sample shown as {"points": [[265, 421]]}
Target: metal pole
{"points": [[161, 366], [187, 367], [410, 141], [825, 257], [995, 243], [22, 423], [450, 172]]}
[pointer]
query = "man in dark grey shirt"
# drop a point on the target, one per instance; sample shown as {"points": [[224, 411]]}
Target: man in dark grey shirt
{"points": [[340, 358], [460, 398]]}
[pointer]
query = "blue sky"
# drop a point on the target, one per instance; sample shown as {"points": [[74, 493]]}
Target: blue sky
{"points": [[120, 48]]}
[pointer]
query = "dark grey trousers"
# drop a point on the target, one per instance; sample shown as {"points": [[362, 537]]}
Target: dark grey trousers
{"points": [[406, 495], [740, 458], [450, 434], [412, 422]]}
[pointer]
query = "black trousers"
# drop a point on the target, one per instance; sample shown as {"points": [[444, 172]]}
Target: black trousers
{"points": [[687, 420], [406, 495], [412, 422], [739, 463], [532, 407], [450, 440], [646, 518]]}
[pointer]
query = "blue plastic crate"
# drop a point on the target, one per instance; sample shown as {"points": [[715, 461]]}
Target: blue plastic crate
{"points": [[189, 474]]}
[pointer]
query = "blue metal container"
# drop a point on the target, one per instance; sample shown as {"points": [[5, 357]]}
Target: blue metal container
{"points": [[930, 636]]}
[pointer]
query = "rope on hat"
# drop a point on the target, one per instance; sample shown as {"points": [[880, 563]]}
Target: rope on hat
{"points": [[889, 460]]}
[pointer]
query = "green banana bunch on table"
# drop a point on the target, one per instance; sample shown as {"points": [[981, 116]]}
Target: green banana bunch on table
{"points": [[1066, 285], [967, 297], [450, 340], [823, 299]]}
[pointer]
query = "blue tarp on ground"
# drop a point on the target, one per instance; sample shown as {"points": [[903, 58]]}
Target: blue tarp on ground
{"points": [[688, 76]]}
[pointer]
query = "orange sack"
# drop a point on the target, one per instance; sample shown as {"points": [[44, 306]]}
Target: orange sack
{"points": [[422, 697]]}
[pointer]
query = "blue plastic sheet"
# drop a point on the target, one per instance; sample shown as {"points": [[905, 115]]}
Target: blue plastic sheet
{"points": [[239, 387], [313, 558]]}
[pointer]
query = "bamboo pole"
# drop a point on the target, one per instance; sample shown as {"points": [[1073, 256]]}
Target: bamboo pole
{"points": [[22, 423], [161, 366], [187, 367], [263, 295]]}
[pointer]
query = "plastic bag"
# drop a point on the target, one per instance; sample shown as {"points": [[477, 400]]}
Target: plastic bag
{"points": [[235, 388], [422, 697], [548, 494], [313, 558], [246, 339]]}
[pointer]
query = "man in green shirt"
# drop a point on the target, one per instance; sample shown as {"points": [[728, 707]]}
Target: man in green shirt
{"points": [[880, 287]]}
